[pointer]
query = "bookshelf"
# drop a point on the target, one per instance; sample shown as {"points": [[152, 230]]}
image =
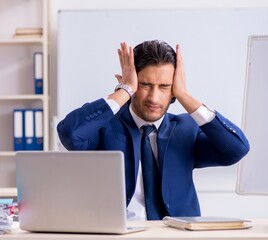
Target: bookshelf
{"points": [[17, 78]]}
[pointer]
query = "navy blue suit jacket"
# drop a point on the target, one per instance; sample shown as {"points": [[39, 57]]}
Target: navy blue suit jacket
{"points": [[182, 146]]}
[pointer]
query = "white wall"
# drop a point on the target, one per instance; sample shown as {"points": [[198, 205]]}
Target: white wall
{"points": [[215, 198]]}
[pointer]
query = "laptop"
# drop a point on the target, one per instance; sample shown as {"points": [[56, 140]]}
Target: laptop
{"points": [[76, 191]]}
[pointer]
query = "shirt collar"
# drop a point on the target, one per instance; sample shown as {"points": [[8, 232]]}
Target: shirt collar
{"points": [[140, 122]]}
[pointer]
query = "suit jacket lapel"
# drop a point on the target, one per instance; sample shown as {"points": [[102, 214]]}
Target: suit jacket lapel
{"points": [[126, 118], [163, 137]]}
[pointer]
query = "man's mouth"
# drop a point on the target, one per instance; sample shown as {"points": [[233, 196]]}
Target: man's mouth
{"points": [[152, 107]]}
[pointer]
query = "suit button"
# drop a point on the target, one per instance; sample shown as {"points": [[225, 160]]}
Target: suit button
{"points": [[91, 115], [88, 118], [99, 111], [167, 206]]}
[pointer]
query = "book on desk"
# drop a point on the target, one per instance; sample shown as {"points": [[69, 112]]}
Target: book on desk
{"points": [[206, 223]]}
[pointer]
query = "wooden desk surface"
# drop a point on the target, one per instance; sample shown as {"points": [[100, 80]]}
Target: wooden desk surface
{"points": [[157, 231]]}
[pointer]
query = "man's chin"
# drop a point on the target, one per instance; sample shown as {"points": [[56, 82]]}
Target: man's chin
{"points": [[152, 117]]}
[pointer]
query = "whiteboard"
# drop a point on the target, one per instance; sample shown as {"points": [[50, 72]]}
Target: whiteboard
{"points": [[214, 47], [213, 43], [253, 169]]}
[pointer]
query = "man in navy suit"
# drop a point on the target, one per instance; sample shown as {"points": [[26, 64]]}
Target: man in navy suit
{"points": [[153, 77]]}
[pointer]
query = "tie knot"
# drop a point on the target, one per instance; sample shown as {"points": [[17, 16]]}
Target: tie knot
{"points": [[147, 129]]}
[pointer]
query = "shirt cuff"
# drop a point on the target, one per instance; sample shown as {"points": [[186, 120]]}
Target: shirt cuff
{"points": [[112, 104], [203, 115]]}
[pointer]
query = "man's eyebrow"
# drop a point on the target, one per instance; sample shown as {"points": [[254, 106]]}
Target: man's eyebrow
{"points": [[145, 83], [162, 84], [166, 84]]}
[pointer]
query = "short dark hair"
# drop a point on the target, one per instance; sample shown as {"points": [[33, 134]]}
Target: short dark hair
{"points": [[153, 52]]}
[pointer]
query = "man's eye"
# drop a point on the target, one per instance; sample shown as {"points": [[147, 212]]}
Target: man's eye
{"points": [[165, 87], [144, 85]]}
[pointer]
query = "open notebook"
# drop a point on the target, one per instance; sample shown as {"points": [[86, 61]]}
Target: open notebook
{"points": [[72, 191]]}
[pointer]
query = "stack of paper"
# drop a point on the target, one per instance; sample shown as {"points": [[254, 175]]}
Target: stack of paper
{"points": [[28, 33], [8, 210]]}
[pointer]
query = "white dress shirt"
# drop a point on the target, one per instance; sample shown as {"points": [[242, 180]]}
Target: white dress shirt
{"points": [[136, 208]]}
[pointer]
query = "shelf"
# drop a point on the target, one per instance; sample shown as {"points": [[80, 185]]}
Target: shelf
{"points": [[9, 39], [22, 97], [17, 74]]}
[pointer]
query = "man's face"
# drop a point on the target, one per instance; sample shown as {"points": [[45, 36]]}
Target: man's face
{"points": [[152, 99]]}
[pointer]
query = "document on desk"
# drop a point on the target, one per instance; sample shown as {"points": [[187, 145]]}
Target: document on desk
{"points": [[206, 223]]}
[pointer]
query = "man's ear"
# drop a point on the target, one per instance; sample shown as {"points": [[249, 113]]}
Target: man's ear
{"points": [[173, 99]]}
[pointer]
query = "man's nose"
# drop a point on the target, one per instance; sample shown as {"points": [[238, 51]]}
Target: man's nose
{"points": [[153, 94]]}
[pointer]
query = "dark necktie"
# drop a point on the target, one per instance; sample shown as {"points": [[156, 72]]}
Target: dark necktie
{"points": [[151, 178]]}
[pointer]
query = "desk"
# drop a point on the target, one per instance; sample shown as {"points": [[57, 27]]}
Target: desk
{"points": [[156, 231]]}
